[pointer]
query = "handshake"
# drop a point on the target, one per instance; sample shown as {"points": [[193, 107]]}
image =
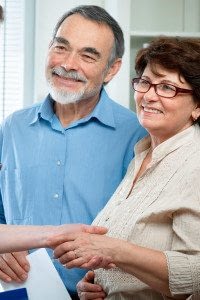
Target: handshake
{"points": [[74, 245], [83, 247]]}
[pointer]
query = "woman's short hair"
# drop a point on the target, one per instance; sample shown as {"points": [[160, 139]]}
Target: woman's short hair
{"points": [[173, 53]]}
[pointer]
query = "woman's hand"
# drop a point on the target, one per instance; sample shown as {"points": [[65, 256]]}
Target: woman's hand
{"points": [[88, 290], [85, 250]]}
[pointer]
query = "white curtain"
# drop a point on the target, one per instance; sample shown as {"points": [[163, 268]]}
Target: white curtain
{"points": [[11, 57]]}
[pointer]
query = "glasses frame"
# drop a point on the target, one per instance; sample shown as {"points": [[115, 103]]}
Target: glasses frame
{"points": [[154, 85]]}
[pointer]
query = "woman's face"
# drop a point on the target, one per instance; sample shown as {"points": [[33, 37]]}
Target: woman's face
{"points": [[165, 117]]}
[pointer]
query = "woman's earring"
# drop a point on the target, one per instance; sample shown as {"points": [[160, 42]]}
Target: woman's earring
{"points": [[195, 118]]}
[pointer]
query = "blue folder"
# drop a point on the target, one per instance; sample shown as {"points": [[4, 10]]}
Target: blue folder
{"points": [[18, 294]]}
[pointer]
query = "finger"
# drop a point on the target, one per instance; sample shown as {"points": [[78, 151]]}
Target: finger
{"points": [[83, 286], [77, 263], [67, 257], [22, 260], [6, 272], [58, 240], [13, 267], [89, 277], [88, 290], [111, 266], [88, 295], [62, 249], [4, 277], [94, 263], [97, 262], [95, 229]]}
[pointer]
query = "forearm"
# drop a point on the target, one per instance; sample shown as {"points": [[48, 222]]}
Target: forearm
{"points": [[18, 238], [150, 266]]}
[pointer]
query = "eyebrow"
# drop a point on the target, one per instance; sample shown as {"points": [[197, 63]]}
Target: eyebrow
{"points": [[92, 51], [166, 81], [61, 40]]}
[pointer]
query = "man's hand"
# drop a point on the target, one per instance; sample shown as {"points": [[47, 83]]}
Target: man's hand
{"points": [[14, 267], [88, 290]]}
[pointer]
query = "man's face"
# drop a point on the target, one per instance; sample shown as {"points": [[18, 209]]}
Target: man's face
{"points": [[77, 61]]}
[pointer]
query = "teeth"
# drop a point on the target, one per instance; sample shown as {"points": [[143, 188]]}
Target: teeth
{"points": [[151, 110]]}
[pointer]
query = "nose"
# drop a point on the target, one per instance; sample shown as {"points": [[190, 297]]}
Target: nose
{"points": [[151, 94], [70, 62]]}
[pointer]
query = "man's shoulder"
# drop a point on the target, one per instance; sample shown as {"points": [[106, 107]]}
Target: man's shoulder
{"points": [[24, 114], [123, 114], [127, 120], [118, 108]]}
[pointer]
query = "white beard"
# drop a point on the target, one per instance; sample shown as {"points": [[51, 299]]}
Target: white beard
{"points": [[64, 97]]}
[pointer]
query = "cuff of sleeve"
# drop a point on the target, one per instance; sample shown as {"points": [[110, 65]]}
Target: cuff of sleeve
{"points": [[184, 273]]}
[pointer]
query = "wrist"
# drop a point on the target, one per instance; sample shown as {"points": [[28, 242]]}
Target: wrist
{"points": [[48, 235]]}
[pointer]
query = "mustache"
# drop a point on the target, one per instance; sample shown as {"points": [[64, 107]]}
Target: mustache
{"points": [[60, 71]]}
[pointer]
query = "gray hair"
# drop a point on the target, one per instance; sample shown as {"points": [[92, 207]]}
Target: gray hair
{"points": [[101, 16]]}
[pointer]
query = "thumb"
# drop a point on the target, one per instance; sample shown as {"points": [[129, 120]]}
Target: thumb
{"points": [[89, 276]]}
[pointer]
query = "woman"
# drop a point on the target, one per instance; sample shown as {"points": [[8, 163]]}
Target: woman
{"points": [[154, 215]]}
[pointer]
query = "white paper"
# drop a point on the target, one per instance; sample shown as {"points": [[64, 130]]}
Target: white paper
{"points": [[43, 281]]}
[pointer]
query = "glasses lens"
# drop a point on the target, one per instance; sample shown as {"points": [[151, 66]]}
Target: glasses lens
{"points": [[140, 85], [166, 90]]}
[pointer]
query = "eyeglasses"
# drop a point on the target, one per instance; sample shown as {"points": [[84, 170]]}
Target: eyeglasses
{"points": [[161, 89]]}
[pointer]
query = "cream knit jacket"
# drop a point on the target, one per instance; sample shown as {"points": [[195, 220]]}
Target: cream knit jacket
{"points": [[162, 212]]}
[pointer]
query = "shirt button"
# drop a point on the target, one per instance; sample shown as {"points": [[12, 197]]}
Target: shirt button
{"points": [[55, 196], [58, 162]]}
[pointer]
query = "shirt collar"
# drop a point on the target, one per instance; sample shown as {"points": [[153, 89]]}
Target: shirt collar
{"points": [[44, 111], [103, 111], [184, 137]]}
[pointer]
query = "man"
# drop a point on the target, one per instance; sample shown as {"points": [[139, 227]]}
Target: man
{"points": [[63, 159], [27, 237]]}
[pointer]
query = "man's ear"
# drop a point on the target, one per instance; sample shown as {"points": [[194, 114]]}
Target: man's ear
{"points": [[113, 69]]}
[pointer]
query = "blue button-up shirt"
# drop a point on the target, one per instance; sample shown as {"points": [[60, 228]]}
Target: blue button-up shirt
{"points": [[56, 175]]}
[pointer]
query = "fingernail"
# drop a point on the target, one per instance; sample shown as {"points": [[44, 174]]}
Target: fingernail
{"points": [[24, 276], [27, 268], [8, 279]]}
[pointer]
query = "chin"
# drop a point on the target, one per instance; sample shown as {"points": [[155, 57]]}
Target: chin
{"points": [[148, 124]]}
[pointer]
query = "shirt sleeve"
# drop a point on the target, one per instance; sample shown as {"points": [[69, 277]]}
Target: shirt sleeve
{"points": [[184, 273], [184, 258]]}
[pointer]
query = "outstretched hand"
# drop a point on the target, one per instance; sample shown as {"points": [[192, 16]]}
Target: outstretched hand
{"points": [[66, 231]]}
